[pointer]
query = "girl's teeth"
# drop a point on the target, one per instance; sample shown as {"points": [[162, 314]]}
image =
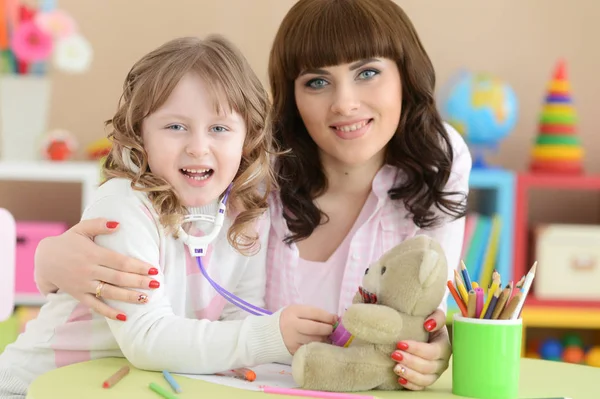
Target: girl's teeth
{"points": [[203, 177], [352, 128], [196, 170]]}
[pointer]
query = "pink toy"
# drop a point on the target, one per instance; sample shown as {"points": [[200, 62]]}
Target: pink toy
{"points": [[7, 263], [29, 234], [341, 336]]}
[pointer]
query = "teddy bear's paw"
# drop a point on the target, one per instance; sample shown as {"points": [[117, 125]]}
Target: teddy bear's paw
{"points": [[299, 365]]}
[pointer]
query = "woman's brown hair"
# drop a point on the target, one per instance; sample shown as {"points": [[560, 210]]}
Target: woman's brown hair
{"points": [[321, 33], [148, 85]]}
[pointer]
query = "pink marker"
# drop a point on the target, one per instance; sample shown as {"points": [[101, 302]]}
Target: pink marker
{"points": [[314, 394], [478, 301]]}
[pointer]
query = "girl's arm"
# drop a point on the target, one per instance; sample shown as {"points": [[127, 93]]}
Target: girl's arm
{"points": [[153, 337]]}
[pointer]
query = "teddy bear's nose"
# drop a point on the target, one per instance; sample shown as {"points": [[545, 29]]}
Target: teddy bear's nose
{"points": [[366, 271]]}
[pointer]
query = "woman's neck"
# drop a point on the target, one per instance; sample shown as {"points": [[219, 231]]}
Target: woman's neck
{"points": [[350, 179]]}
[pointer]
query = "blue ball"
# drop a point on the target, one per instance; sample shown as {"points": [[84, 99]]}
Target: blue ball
{"points": [[551, 349]]}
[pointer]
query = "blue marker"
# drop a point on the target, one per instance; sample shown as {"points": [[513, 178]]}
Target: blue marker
{"points": [[171, 381]]}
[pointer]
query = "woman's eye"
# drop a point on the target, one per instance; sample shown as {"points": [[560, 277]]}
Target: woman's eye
{"points": [[219, 129], [316, 83], [368, 73], [176, 127]]}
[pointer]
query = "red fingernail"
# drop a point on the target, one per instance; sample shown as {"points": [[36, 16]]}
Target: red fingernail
{"points": [[112, 225], [154, 284], [430, 324], [402, 346], [153, 271], [121, 317], [397, 356], [402, 381]]}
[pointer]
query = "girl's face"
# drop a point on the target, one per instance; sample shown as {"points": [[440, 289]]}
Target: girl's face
{"points": [[193, 147], [351, 110]]}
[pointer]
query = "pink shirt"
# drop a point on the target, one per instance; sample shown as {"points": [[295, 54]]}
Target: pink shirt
{"points": [[383, 224]]}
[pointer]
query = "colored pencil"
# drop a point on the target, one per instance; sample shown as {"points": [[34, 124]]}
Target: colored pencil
{"points": [[162, 391], [471, 305], [116, 377], [457, 298], [524, 290], [460, 287], [171, 381], [492, 304], [466, 277]]}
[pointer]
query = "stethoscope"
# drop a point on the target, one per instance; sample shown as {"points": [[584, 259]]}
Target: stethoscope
{"points": [[198, 245]]}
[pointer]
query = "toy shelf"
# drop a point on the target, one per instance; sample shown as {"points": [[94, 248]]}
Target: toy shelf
{"points": [[87, 174], [495, 190], [524, 184]]}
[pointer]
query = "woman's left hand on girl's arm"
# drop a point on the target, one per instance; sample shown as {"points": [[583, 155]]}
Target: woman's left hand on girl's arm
{"points": [[420, 364]]}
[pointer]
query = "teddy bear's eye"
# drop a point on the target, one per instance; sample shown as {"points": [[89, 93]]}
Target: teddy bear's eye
{"points": [[383, 269], [366, 271]]}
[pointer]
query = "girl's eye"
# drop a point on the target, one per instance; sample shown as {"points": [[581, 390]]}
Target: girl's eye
{"points": [[176, 127], [368, 73], [316, 83], [219, 129]]}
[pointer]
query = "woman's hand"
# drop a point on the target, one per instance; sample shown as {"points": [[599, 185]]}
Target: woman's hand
{"points": [[420, 364], [73, 263]]}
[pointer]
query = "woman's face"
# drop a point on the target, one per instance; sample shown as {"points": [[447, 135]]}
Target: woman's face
{"points": [[351, 110]]}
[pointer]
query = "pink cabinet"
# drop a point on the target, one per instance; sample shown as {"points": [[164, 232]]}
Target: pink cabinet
{"points": [[29, 234]]}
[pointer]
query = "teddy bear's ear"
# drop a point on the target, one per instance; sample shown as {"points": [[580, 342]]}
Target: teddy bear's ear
{"points": [[430, 261]]}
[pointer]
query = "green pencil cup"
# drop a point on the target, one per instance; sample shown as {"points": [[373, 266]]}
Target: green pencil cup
{"points": [[486, 357]]}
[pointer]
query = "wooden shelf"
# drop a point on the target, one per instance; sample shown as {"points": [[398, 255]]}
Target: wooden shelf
{"points": [[551, 317], [561, 317]]}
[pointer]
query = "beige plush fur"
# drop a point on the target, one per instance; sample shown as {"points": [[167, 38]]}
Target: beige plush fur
{"points": [[409, 281]]}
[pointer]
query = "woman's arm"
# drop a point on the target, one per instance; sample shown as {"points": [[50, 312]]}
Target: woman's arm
{"points": [[153, 337], [73, 263]]}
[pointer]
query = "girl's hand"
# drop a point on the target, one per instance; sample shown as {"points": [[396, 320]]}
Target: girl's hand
{"points": [[420, 364], [305, 324], [73, 263]]}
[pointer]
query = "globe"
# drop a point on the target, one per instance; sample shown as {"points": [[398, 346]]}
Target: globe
{"points": [[482, 108]]}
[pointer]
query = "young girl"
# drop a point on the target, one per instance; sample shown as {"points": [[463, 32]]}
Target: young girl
{"points": [[371, 164], [190, 124]]}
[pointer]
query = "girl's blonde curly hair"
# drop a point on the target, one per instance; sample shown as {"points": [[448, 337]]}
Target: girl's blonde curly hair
{"points": [[148, 85]]}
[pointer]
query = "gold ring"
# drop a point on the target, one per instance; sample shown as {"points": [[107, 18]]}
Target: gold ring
{"points": [[99, 289]]}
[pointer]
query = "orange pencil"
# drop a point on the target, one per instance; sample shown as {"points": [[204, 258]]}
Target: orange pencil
{"points": [[116, 377], [457, 298]]}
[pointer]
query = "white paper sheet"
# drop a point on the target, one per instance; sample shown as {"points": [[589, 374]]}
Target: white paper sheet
{"points": [[272, 374]]}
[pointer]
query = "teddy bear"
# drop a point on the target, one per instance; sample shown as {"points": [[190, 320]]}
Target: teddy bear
{"points": [[397, 294]]}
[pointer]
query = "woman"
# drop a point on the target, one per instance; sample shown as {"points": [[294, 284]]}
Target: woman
{"points": [[370, 164]]}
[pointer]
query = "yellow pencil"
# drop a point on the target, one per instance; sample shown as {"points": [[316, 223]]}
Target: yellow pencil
{"points": [[474, 284], [491, 291], [472, 305], [460, 286]]}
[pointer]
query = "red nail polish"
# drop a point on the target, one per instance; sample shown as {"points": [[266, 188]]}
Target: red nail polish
{"points": [[402, 381], [430, 324], [153, 271], [397, 356], [154, 284], [112, 225], [402, 346], [121, 317]]}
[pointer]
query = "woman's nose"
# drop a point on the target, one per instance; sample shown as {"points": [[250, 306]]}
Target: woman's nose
{"points": [[345, 100]]}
